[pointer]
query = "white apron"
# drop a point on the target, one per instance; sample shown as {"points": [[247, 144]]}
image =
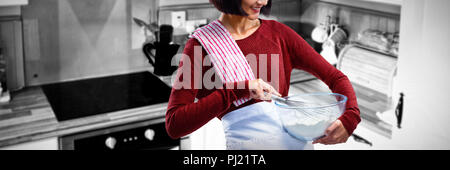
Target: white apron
{"points": [[255, 127], [258, 127]]}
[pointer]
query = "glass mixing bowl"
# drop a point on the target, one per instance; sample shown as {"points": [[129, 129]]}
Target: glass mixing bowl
{"points": [[307, 116]]}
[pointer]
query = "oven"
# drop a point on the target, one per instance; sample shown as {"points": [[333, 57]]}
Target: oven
{"points": [[95, 96], [145, 135]]}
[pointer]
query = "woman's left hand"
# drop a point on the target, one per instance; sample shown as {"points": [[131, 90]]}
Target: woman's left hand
{"points": [[334, 134]]}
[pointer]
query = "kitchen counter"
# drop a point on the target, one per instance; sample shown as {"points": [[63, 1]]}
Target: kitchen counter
{"points": [[29, 117]]}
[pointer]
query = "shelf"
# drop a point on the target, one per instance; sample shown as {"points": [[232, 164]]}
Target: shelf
{"points": [[388, 6]]}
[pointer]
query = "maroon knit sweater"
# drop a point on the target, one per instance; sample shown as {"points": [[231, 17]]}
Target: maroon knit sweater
{"points": [[184, 116]]}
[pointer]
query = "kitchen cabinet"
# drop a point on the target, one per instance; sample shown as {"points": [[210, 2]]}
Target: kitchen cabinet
{"points": [[43, 144], [211, 136]]}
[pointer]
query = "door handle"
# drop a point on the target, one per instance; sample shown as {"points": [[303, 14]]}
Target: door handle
{"points": [[399, 111]]}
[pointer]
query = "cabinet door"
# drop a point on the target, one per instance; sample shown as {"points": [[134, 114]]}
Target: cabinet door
{"points": [[209, 137], [423, 69]]}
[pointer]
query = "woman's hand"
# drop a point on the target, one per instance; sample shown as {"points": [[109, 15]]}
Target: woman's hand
{"points": [[261, 90], [334, 134]]}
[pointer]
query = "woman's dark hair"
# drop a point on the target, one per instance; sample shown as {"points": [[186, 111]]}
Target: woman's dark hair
{"points": [[234, 7]]}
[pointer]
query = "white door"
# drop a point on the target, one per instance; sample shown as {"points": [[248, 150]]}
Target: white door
{"points": [[423, 75]]}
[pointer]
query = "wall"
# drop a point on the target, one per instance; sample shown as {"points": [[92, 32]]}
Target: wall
{"points": [[145, 10], [76, 39]]}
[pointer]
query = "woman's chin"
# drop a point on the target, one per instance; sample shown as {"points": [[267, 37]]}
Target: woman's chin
{"points": [[253, 17]]}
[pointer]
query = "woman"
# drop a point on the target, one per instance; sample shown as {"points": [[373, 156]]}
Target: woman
{"points": [[253, 122]]}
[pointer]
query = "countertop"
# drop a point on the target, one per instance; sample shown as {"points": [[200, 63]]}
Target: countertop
{"points": [[29, 117]]}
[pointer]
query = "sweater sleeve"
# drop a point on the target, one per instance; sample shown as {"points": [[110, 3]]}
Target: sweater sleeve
{"points": [[304, 57], [183, 115]]}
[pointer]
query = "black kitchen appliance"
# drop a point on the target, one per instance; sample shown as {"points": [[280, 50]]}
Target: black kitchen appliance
{"points": [[147, 135], [81, 98]]}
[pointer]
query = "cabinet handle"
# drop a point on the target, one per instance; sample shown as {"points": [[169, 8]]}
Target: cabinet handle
{"points": [[399, 111]]}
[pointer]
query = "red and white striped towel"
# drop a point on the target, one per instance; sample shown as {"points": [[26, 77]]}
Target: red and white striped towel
{"points": [[228, 60]]}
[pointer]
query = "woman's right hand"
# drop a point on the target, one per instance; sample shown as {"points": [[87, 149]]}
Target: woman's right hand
{"points": [[261, 90]]}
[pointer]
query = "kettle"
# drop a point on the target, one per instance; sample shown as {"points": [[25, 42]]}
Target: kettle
{"points": [[165, 50]]}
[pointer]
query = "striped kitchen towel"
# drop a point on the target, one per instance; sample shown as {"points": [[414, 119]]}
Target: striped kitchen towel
{"points": [[228, 60]]}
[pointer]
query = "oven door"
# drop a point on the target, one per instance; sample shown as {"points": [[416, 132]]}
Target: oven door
{"points": [[147, 135]]}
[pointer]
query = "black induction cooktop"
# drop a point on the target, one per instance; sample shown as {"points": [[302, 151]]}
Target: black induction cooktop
{"points": [[81, 98]]}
